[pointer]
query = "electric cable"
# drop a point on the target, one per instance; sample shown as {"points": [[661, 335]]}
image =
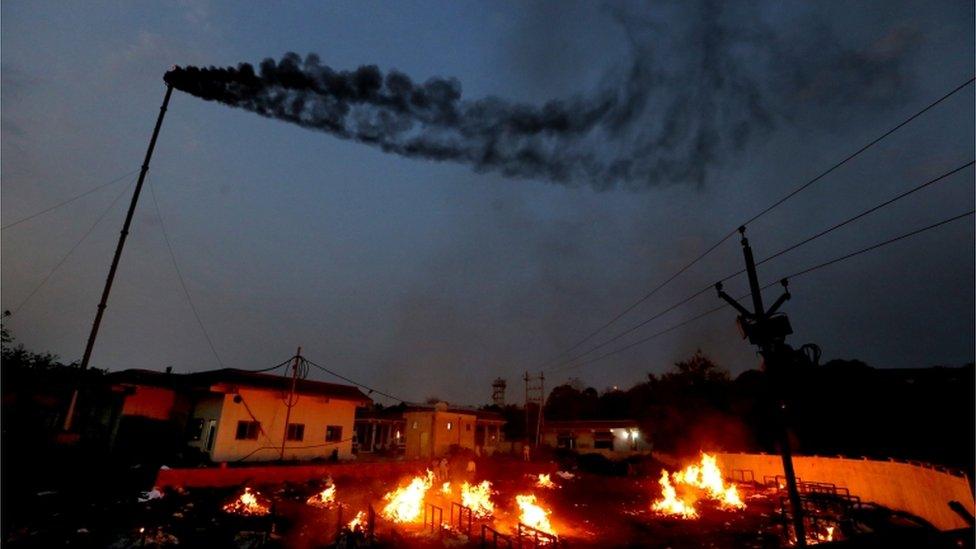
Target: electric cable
{"points": [[802, 187], [770, 285], [68, 201], [356, 383], [179, 275], [70, 251], [779, 253]]}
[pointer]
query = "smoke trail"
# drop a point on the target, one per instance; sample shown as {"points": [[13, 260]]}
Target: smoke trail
{"points": [[668, 118]]}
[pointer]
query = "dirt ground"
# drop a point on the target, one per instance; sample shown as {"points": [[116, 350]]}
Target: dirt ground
{"points": [[589, 510]]}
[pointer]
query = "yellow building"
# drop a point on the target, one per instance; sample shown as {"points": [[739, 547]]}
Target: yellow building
{"points": [[432, 430], [240, 416]]}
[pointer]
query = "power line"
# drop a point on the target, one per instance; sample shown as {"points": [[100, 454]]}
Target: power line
{"points": [[790, 276], [890, 201], [70, 251], [275, 367], [875, 246], [850, 157], [176, 267], [773, 256], [68, 201], [761, 213], [356, 383], [644, 298]]}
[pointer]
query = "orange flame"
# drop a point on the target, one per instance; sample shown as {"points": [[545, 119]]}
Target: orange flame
{"points": [[446, 488], [708, 477], [534, 515], [545, 482], [407, 502], [247, 504], [705, 476], [358, 522], [478, 499], [669, 504], [824, 536], [323, 499]]}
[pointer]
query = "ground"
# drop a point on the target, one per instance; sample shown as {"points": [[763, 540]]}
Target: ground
{"points": [[590, 509]]}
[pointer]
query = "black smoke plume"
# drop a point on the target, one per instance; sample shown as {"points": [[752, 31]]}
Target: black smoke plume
{"points": [[675, 113]]}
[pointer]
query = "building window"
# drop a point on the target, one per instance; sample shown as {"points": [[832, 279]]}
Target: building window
{"points": [[194, 429], [333, 433], [566, 440], [603, 440], [296, 431], [450, 425], [248, 430]]}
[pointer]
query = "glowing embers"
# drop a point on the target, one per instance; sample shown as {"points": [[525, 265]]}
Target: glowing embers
{"points": [[534, 515], [478, 499], [358, 523], [405, 504], [249, 504], [705, 477], [323, 499], [545, 482], [819, 534]]}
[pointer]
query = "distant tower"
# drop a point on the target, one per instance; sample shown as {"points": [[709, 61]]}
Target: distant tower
{"points": [[498, 392]]}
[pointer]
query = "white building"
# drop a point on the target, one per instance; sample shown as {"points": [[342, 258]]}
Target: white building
{"points": [[235, 415]]}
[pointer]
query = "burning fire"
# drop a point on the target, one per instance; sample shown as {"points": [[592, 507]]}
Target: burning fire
{"points": [[823, 536], [247, 504], [478, 499], [545, 482], [446, 488], [533, 515], [669, 504], [407, 502], [705, 476], [708, 477], [358, 522], [325, 498]]}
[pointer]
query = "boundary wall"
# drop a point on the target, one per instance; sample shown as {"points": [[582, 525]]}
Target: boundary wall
{"points": [[921, 490]]}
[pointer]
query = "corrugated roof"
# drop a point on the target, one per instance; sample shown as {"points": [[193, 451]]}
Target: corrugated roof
{"points": [[245, 378], [233, 376]]}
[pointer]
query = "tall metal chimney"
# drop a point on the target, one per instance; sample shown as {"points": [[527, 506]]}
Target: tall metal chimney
{"points": [[69, 416]]}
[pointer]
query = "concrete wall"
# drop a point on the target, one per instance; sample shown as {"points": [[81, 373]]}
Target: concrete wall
{"points": [[918, 490], [268, 407]]}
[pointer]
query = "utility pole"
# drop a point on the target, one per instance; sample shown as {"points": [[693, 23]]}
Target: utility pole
{"points": [[542, 402], [526, 378], [291, 400], [767, 329], [103, 303], [534, 394]]}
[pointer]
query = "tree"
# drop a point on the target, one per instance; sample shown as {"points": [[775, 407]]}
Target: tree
{"points": [[17, 357]]}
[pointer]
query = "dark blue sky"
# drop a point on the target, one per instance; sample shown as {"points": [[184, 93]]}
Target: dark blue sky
{"points": [[425, 278]]}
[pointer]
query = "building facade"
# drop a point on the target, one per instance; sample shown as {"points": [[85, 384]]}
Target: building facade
{"points": [[234, 415], [595, 436], [433, 430]]}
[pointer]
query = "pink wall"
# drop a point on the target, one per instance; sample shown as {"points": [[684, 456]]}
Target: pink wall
{"points": [[273, 474], [922, 491]]}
